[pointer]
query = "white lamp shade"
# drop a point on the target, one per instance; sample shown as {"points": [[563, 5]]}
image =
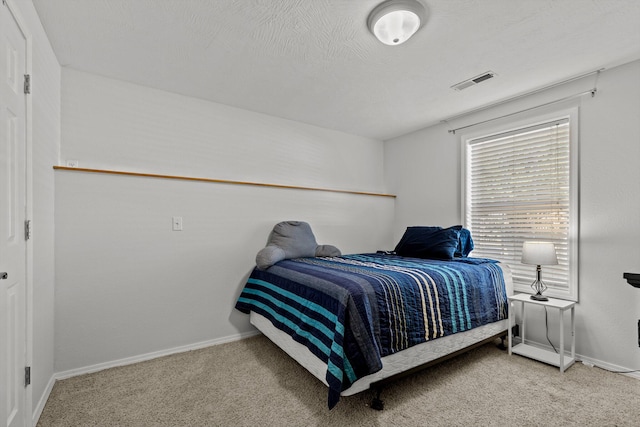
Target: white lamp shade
{"points": [[539, 253], [395, 21]]}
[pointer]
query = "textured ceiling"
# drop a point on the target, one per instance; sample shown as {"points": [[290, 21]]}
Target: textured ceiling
{"points": [[315, 61]]}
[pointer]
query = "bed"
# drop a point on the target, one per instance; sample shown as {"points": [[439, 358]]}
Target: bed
{"points": [[356, 320]]}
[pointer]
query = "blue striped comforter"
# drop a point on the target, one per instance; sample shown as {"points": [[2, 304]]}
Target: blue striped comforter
{"points": [[352, 310]]}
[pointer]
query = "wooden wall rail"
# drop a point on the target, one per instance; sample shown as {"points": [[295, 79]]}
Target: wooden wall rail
{"points": [[219, 181]]}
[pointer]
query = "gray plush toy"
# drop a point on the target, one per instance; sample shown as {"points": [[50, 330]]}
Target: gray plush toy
{"points": [[292, 239]]}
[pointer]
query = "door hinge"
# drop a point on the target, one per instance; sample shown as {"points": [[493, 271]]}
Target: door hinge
{"points": [[27, 229], [27, 376], [27, 83]]}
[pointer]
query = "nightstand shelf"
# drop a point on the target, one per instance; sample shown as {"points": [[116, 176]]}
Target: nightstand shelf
{"points": [[542, 355], [560, 359]]}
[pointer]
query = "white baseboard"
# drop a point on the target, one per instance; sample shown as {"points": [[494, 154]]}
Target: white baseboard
{"points": [[37, 411], [588, 361], [608, 366], [148, 356]]}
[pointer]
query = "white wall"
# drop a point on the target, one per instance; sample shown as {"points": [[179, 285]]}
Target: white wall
{"points": [[424, 170], [126, 284], [610, 219], [45, 140], [112, 124]]}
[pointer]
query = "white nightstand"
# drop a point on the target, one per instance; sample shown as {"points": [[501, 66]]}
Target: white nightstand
{"points": [[560, 359]]}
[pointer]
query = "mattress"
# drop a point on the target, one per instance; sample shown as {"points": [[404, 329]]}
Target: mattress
{"points": [[395, 363]]}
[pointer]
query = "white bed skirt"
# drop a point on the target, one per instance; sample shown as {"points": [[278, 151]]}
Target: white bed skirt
{"points": [[393, 364]]}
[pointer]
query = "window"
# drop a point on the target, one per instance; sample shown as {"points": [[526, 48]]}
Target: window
{"points": [[520, 184]]}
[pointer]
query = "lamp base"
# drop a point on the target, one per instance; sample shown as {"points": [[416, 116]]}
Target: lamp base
{"points": [[539, 297], [539, 287]]}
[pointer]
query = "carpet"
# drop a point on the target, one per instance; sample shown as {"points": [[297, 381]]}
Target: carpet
{"points": [[253, 383]]}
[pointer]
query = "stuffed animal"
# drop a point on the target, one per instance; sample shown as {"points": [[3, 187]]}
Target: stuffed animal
{"points": [[292, 239]]}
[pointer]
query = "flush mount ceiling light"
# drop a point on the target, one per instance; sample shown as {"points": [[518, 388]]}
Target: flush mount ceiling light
{"points": [[393, 22]]}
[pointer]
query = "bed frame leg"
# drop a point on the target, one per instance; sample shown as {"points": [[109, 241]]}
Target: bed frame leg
{"points": [[376, 402], [502, 345]]}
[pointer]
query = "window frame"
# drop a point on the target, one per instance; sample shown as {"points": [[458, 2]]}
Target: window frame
{"points": [[502, 126]]}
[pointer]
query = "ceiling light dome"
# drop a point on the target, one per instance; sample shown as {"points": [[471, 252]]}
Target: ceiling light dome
{"points": [[393, 22]]}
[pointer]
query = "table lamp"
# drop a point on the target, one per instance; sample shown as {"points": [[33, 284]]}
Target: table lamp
{"points": [[538, 254]]}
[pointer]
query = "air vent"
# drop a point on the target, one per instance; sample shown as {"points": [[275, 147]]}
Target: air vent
{"points": [[474, 80]]}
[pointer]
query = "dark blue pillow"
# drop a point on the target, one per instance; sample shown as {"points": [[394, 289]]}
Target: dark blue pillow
{"points": [[428, 242], [413, 233], [465, 243]]}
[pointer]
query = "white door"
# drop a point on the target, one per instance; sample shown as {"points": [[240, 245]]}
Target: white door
{"points": [[13, 251]]}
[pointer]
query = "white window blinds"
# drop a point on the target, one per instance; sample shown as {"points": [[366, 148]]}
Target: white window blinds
{"points": [[518, 188]]}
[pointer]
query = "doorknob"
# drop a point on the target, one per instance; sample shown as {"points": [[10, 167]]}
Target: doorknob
{"points": [[3, 275]]}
